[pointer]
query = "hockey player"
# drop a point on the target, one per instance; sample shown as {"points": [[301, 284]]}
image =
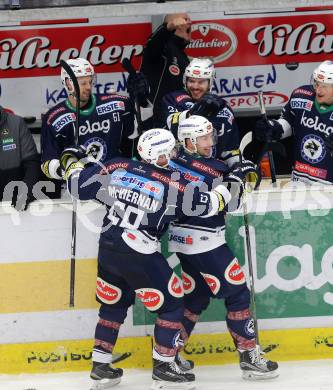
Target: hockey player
{"points": [[105, 124], [308, 117], [141, 199], [196, 99], [210, 269]]}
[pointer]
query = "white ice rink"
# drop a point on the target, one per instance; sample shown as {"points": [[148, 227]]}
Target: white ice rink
{"points": [[314, 375]]}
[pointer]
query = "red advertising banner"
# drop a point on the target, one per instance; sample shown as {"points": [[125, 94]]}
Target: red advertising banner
{"points": [[37, 52]]}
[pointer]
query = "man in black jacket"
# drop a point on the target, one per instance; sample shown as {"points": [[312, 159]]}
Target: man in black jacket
{"points": [[19, 161], [164, 60]]}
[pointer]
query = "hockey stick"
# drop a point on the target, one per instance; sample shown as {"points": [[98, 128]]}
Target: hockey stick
{"points": [[73, 78], [129, 68], [118, 357], [270, 153], [244, 142]]}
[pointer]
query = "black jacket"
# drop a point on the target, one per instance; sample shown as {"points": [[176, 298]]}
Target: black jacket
{"points": [[18, 153], [164, 62]]}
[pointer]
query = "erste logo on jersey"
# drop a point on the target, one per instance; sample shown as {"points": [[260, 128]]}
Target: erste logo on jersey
{"points": [[186, 240], [226, 113], [127, 179], [110, 107], [301, 104], [313, 148], [63, 120], [234, 273], [106, 292], [212, 40], [151, 298]]}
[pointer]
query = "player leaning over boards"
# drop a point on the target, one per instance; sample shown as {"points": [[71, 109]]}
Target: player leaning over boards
{"points": [[308, 117], [106, 121], [210, 269], [141, 198]]}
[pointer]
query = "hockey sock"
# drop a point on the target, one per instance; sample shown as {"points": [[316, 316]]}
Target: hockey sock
{"points": [[241, 327]]}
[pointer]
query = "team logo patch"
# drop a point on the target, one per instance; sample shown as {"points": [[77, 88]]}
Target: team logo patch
{"points": [[234, 273], [213, 282], [249, 327], [177, 341], [107, 293], [313, 148], [96, 149], [152, 299], [188, 283], [175, 286], [174, 70]]}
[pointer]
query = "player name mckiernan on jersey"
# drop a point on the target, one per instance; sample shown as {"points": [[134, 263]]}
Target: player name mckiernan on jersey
{"points": [[134, 197]]}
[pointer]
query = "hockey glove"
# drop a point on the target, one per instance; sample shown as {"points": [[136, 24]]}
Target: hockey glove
{"points": [[235, 182], [138, 87], [267, 131], [208, 106], [252, 175], [73, 158]]}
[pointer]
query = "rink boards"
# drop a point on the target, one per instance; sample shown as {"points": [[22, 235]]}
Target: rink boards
{"points": [[292, 251]]}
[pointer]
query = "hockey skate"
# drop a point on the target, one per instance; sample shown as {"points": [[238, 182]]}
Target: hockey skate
{"points": [[105, 376], [184, 364], [255, 367], [168, 376]]}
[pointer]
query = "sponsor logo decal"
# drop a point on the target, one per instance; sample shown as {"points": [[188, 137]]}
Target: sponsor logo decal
{"points": [[313, 148], [103, 126], [189, 175], [234, 273], [312, 171], [149, 187], [110, 107], [212, 282], [175, 286], [151, 298], [174, 70], [188, 283], [9, 147], [303, 92], [212, 40], [113, 167], [303, 104], [63, 120], [106, 292], [186, 240], [182, 97]]}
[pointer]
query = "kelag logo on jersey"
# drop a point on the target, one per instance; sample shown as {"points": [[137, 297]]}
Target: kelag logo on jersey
{"points": [[193, 177], [128, 180], [110, 107], [212, 40], [63, 120], [302, 104]]}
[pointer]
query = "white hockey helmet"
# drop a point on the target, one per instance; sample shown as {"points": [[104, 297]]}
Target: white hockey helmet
{"points": [[193, 127], [200, 68], [81, 67], [155, 143], [324, 73]]}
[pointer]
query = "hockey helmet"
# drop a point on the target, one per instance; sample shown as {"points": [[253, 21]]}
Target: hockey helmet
{"points": [[200, 68], [324, 73], [81, 67], [193, 127], [155, 143]]}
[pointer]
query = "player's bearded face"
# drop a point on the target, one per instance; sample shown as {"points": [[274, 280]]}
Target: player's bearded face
{"points": [[197, 87], [324, 93], [205, 144]]}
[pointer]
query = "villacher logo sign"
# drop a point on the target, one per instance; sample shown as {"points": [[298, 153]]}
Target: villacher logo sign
{"points": [[212, 40]]}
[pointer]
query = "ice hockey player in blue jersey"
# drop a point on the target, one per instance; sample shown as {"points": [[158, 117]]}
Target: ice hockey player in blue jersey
{"points": [[209, 267], [308, 117], [106, 122], [196, 98], [141, 198]]}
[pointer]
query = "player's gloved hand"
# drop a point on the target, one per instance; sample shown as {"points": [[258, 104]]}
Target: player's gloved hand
{"points": [[252, 175], [267, 131], [208, 106], [138, 87], [72, 158]]}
